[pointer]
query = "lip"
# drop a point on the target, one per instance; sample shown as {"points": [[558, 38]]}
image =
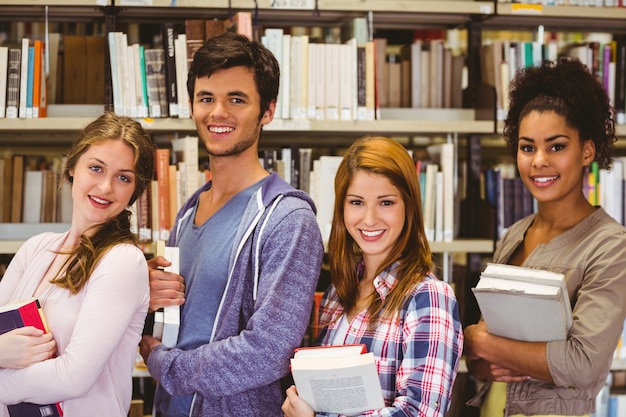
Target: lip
{"points": [[99, 202], [544, 180], [371, 235]]}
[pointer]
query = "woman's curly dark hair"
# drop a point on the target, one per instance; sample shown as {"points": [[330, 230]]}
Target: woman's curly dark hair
{"points": [[569, 89]]}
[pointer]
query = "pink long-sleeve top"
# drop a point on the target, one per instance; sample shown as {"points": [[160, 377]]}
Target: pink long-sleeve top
{"points": [[97, 331]]}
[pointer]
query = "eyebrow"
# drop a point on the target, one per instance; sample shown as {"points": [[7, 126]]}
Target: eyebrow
{"points": [[235, 93], [100, 161], [548, 139]]}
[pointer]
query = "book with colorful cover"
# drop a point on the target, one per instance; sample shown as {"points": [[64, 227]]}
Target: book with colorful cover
{"points": [[21, 314]]}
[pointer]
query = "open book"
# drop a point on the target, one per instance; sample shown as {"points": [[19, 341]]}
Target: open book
{"points": [[524, 303], [337, 379], [21, 314]]}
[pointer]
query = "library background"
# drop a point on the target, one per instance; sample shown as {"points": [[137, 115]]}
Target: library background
{"points": [[431, 74]]}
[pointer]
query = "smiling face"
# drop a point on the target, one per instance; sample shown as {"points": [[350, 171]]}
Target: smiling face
{"points": [[103, 182], [551, 157], [374, 214], [226, 109]]}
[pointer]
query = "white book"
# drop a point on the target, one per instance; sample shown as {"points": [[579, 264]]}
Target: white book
{"points": [[180, 46], [612, 190], [444, 155], [429, 203], [24, 78], [325, 203], [137, 74], [439, 204], [354, 95], [337, 379], [319, 80], [185, 151], [524, 303], [285, 77], [167, 320], [115, 78], [347, 81], [4, 66], [416, 68], [133, 103], [314, 92], [299, 76], [33, 196], [273, 40], [331, 81]]}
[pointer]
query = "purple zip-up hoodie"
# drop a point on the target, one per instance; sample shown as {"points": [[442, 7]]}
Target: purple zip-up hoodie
{"points": [[265, 309]]}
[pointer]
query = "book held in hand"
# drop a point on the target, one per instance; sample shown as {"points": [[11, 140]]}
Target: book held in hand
{"points": [[21, 314], [524, 303], [337, 379], [167, 319]]}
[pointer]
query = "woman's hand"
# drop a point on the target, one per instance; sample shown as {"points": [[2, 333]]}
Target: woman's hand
{"points": [[25, 346], [294, 406]]}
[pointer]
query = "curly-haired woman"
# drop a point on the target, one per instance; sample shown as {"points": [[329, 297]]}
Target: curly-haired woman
{"points": [[559, 121]]}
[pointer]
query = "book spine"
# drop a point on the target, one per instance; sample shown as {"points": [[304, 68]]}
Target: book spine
{"points": [[170, 68]]}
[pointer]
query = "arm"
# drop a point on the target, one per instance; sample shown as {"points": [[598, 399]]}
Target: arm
{"points": [[432, 344], [497, 358], [291, 256], [599, 309], [108, 314]]}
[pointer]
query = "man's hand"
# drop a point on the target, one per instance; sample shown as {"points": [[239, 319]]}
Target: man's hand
{"points": [[166, 288], [147, 344]]}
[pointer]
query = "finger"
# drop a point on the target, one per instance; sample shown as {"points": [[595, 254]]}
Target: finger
{"points": [[28, 331], [158, 262]]}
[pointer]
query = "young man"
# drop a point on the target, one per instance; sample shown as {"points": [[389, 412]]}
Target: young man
{"points": [[250, 251]]}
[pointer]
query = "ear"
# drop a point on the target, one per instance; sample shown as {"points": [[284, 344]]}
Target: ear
{"points": [[268, 115], [589, 152]]}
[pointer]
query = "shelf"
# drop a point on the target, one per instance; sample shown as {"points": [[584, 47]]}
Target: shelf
{"points": [[58, 10], [572, 18], [19, 232], [386, 13]]}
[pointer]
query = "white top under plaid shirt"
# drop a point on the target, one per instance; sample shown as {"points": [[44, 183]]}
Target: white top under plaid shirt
{"points": [[417, 353]]}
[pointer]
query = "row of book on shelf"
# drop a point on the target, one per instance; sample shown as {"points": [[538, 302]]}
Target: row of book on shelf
{"points": [[604, 55], [348, 75], [511, 201]]}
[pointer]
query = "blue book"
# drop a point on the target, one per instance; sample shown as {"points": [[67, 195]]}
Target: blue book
{"points": [[30, 81]]}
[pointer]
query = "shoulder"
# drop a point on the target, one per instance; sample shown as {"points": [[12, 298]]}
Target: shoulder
{"points": [[124, 256], [43, 241], [431, 291]]}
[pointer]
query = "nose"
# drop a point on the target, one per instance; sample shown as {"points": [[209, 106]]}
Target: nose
{"points": [[106, 185], [540, 159], [370, 217], [219, 109]]}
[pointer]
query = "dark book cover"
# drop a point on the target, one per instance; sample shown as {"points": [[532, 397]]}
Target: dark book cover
{"points": [[13, 316]]}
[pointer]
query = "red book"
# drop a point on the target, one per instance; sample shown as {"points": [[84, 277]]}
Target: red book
{"points": [[22, 314]]}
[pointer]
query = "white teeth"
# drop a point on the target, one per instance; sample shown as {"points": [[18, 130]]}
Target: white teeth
{"points": [[545, 179], [98, 200], [221, 129], [372, 234]]}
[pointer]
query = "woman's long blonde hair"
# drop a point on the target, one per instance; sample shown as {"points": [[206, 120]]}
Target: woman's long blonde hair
{"points": [[82, 260], [386, 157]]}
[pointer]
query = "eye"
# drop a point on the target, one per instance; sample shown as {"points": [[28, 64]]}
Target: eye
{"points": [[125, 179], [557, 147], [206, 100], [95, 168], [526, 148], [355, 202], [387, 203]]}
